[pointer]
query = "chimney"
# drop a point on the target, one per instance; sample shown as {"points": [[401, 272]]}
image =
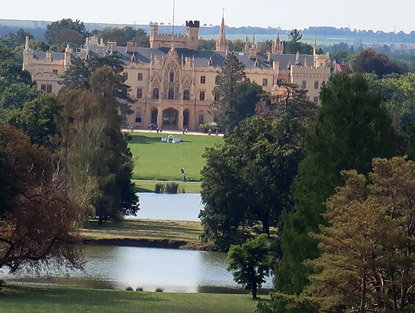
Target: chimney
{"points": [[112, 46], [253, 53]]}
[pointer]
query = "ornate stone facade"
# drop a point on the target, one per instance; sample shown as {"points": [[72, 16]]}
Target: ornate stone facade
{"points": [[172, 81]]}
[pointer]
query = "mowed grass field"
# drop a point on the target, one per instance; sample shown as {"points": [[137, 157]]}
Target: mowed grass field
{"points": [[14, 299], [157, 160]]}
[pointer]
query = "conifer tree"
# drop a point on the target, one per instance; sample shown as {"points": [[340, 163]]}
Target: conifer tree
{"points": [[367, 262], [351, 128]]}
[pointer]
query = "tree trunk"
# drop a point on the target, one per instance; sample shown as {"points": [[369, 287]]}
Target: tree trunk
{"points": [[100, 215], [254, 290], [363, 295], [265, 227]]}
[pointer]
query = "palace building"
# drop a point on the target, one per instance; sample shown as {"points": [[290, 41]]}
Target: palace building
{"points": [[172, 82]]}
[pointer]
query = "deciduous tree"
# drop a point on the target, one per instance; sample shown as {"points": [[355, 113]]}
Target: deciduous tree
{"points": [[53, 29], [95, 153], [37, 221], [250, 263], [246, 180], [38, 120]]}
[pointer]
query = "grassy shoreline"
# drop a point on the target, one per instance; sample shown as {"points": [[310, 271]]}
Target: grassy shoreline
{"points": [[34, 299], [142, 185], [145, 233]]}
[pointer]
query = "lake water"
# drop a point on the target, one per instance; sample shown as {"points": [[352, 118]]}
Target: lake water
{"points": [[183, 206], [149, 268]]}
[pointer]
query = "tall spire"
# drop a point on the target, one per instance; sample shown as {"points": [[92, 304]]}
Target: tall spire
{"points": [[221, 44], [277, 46], [26, 46], [315, 45]]}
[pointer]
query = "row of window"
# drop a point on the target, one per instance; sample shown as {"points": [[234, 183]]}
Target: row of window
{"points": [[46, 88], [170, 94], [202, 79], [169, 117], [304, 84], [171, 77]]}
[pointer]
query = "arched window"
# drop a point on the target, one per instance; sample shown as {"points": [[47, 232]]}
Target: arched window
{"points": [[186, 95], [138, 117], [155, 93], [185, 119], [154, 117], [171, 77], [170, 94], [170, 117]]}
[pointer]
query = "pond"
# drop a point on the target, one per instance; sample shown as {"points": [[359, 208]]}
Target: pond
{"points": [[149, 268], [183, 206]]}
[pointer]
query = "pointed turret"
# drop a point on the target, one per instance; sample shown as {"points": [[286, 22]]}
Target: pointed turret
{"points": [[247, 44], [27, 55], [277, 46], [26, 46], [221, 44]]}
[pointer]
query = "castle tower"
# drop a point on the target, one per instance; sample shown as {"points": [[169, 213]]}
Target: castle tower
{"points": [[154, 30], [221, 44], [192, 34], [27, 56]]}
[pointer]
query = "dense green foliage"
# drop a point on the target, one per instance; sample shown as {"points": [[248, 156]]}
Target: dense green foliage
{"points": [[66, 31], [38, 120], [351, 128], [398, 93], [95, 154], [79, 76], [246, 180], [250, 263], [124, 35], [235, 96], [16, 86]]}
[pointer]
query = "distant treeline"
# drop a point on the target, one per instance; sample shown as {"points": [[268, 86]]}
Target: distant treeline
{"points": [[38, 28]]}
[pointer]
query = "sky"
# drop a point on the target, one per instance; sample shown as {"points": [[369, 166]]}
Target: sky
{"points": [[376, 15]]}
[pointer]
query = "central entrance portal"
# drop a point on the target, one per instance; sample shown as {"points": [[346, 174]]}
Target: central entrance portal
{"points": [[170, 119]]}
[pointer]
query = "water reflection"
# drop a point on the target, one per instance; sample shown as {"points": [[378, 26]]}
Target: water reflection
{"points": [[148, 268], [184, 206]]}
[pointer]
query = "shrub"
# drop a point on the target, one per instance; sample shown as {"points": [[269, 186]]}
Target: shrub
{"points": [[139, 289], [129, 288], [158, 289], [172, 187], [160, 188]]}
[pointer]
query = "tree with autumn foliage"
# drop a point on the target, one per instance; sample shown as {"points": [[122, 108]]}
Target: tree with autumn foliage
{"points": [[37, 221], [368, 250]]}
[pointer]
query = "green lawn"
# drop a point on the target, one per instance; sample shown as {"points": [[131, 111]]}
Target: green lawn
{"points": [[14, 299], [156, 160]]}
